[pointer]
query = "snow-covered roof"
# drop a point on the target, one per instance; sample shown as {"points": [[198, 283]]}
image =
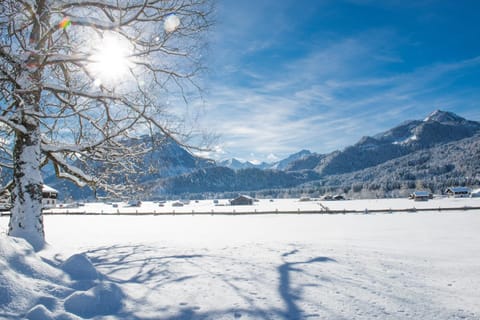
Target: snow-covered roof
{"points": [[459, 189], [421, 193], [244, 197], [46, 188]]}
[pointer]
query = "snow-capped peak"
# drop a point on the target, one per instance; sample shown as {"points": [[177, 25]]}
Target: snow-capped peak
{"points": [[443, 117]]}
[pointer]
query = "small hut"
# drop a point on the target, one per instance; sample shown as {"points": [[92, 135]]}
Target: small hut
{"points": [[242, 200], [421, 196], [177, 204]]}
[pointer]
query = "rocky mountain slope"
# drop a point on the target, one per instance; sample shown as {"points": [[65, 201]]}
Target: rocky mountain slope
{"points": [[384, 159], [435, 169], [166, 159], [438, 128], [408, 143]]}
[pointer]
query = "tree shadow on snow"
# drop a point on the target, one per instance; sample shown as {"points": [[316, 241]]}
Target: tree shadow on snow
{"points": [[290, 295], [118, 259], [145, 266]]}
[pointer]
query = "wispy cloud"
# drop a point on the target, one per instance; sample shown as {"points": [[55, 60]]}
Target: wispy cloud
{"points": [[328, 94], [330, 114]]}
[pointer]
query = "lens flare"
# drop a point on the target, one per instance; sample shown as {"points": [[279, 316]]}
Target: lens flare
{"points": [[171, 23], [65, 23]]}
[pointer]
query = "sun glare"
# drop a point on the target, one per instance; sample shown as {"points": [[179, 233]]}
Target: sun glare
{"points": [[110, 61]]}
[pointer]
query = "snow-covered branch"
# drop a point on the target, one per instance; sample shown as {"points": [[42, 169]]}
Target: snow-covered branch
{"points": [[82, 81], [13, 125]]}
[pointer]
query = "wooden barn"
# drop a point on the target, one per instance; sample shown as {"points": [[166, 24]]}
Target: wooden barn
{"points": [[421, 196], [242, 200]]}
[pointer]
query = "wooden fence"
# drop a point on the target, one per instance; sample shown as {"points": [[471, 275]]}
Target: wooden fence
{"points": [[323, 210]]}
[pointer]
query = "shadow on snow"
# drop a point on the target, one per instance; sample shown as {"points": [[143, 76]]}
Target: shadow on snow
{"points": [[143, 266]]}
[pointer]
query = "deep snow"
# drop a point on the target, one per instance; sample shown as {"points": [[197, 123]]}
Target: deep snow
{"points": [[385, 266]]}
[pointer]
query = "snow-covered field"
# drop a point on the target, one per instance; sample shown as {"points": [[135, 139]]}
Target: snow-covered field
{"points": [[266, 205], [410, 265]]}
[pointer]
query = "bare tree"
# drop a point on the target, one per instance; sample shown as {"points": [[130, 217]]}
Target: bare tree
{"points": [[80, 77]]}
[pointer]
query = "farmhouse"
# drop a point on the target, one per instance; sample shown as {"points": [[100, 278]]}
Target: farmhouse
{"points": [[49, 197], [242, 201], [458, 192], [421, 196]]}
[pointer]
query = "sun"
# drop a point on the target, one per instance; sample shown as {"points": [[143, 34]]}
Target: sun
{"points": [[109, 63]]}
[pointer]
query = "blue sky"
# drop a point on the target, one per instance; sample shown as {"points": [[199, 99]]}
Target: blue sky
{"points": [[313, 74]]}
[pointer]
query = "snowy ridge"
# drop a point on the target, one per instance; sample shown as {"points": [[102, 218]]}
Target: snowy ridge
{"points": [[407, 140], [283, 164], [287, 162], [236, 164], [444, 117]]}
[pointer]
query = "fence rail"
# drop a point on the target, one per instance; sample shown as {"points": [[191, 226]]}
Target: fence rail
{"points": [[324, 210]]}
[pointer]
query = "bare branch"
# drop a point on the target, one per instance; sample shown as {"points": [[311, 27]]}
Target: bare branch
{"points": [[51, 77]]}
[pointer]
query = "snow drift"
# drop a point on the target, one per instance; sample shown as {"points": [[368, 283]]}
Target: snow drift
{"points": [[35, 288]]}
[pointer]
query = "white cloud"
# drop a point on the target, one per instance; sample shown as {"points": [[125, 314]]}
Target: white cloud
{"points": [[327, 97], [321, 118]]}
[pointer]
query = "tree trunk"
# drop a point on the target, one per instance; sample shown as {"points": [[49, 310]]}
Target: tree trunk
{"points": [[26, 220]]}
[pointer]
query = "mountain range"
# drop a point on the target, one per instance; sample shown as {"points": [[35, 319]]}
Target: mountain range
{"points": [[170, 170], [439, 127], [283, 164]]}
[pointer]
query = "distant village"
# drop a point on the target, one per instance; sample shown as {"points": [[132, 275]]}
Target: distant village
{"points": [[51, 198]]}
